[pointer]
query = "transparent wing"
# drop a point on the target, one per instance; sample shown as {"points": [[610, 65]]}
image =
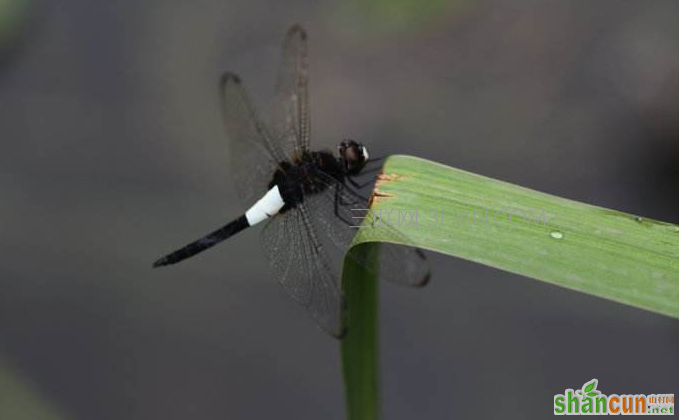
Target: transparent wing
{"points": [[337, 210], [252, 153], [290, 109], [300, 263]]}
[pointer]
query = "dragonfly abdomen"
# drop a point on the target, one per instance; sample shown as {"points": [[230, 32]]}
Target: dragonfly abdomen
{"points": [[204, 243]]}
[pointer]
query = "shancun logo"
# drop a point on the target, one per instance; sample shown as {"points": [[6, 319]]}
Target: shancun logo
{"points": [[588, 400]]}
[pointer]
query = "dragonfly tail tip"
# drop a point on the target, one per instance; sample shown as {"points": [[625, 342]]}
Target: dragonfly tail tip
{"points": [[159, 263]]}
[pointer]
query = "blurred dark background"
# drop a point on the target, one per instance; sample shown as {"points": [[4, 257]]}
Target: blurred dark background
{"points": [[113, 152]]}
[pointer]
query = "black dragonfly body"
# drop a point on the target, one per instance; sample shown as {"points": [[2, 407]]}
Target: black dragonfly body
{"points": [[310, 198]]}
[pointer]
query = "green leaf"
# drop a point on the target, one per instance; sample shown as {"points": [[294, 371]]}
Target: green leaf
{"points": [[592, 394], [606, 253], [359, 347], [602, 252], [589, 385]]}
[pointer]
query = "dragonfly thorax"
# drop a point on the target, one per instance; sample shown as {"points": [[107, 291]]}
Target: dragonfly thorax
{"points": [[306, 175]]}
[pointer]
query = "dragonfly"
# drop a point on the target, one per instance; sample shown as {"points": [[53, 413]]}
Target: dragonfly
{"points": [[310, 200]]}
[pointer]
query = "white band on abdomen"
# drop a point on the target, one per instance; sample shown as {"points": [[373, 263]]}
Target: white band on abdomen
{"points": [[266, 207]]}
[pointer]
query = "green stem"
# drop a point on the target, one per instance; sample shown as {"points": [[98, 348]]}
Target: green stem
{"points": [[359, 347]]}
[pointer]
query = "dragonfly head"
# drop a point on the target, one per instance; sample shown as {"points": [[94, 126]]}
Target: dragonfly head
{"points": [[353, 156]]}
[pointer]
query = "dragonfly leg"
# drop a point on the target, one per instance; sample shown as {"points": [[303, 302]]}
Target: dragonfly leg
{"points": [[343, 201], [367, 170], [339, 202], [357, 185], [370, 170], [355, 193]]}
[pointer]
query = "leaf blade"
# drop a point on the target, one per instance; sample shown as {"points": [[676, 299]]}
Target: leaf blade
{"points": [[578, 246]]}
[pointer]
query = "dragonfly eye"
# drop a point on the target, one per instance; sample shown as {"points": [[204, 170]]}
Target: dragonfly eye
{"points": [[353, 155]]}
